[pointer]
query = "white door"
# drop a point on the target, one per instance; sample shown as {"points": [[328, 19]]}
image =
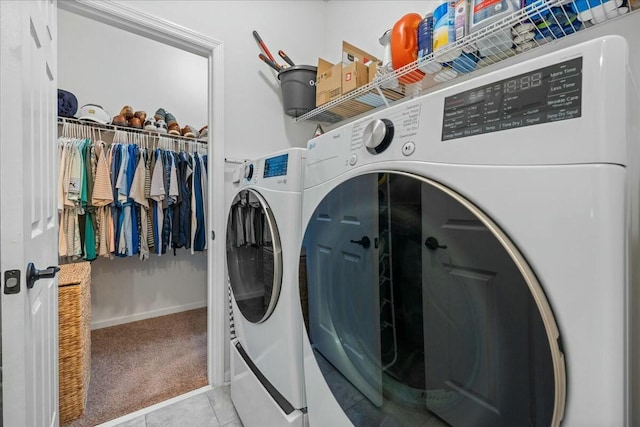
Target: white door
{"points": [[344, 306], [28, 215], [476, 305]]}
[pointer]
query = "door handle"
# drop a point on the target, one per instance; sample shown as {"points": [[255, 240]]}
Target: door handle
{"points": [[33, 274], [364, 242], [433, 244]]}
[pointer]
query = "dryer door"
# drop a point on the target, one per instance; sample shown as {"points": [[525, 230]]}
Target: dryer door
{"points": [[254, 256], [344, 308], [461, 333]]}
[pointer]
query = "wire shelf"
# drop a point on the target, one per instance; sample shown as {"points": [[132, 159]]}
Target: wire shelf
{"points": [[114, 128], [538, 23]]}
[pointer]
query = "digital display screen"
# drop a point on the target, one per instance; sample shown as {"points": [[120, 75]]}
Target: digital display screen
{"points": [[545, 95], [276, 166]]}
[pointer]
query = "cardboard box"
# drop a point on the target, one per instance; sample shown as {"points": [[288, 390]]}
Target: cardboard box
{"points": [[357, 70], [373, 69], [354, 75], [334, 80], [328, 81], [350, 54]]}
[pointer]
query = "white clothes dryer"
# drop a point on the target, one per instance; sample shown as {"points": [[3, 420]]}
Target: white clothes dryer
{"points": [[263, 242], [469, 252]]}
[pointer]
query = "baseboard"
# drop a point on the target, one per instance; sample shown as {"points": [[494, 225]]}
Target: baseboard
{"points": [[146, 315]]}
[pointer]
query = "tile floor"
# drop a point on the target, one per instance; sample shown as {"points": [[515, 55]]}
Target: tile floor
{"points": [[212, 408]]}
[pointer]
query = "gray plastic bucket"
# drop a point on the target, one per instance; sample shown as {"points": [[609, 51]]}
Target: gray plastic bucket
{"points": [[298, 89]]}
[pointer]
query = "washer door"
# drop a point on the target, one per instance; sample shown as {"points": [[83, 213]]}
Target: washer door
{"points": [[254, 256], [421, 309]]}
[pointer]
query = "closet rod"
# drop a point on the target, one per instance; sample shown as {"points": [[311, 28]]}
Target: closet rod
{"points": [[236, 161], [113, 128]]}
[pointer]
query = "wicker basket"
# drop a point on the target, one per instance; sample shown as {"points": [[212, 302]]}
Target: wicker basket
{"points": [[74, 302]]}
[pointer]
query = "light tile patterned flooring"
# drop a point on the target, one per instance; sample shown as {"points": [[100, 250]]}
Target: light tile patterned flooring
{"points": [[212, 408]]}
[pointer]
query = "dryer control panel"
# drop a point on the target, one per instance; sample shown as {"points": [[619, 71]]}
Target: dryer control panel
{"points": [[548, 94], [278, 171]]}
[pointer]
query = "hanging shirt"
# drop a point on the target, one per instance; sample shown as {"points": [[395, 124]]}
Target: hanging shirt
{"points": [[132, 225], [167, 161], [137, 194], [116, 208], [157, 193], [62, 236], [205, 209], [75, 175], [198, 224], [181, 234], [102, 197], [87, 190], [147, 195]]}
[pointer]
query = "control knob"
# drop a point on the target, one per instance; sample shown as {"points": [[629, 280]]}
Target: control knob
{"points": [[248, 171], [378, 135]]}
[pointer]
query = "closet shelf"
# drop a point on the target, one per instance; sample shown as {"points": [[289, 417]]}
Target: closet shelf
{"points": [[114, 128], [524, 27]]}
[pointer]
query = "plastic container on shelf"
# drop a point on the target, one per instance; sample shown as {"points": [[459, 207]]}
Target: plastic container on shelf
{"points": [[404, 46], [596, 11], [425, 35], [386, 69], [425, 45], [444, 32], [445, 74], [461, 19], [462, 16], [537, 10], [561, 21], [465, 63], [487, 12]]}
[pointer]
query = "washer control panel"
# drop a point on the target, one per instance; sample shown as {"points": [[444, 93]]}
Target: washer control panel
{"points": [[535, 112], [377, 135]]}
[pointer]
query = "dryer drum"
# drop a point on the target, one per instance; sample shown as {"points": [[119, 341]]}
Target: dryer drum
{"points": [[457, 331]]}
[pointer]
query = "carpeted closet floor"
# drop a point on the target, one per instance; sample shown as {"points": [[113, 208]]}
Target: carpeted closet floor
{"points": [[139, 364]]}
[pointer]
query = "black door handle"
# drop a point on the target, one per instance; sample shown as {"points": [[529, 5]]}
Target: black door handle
{"points": [[433, 244], [365, 242], [34, 274]]}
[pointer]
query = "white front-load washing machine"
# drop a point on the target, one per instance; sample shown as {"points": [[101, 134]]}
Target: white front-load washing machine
{"points": [[263, 243], [468, 252]]}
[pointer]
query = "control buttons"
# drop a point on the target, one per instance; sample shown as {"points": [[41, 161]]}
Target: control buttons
{"points": [[353, 159], [378, 135], [248, 171], [408, 148]]}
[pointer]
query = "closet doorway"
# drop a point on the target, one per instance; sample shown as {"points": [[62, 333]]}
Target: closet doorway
{"points": [[130, 296]]}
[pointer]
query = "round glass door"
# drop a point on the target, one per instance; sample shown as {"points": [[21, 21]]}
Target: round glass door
{"points": [[421, 311], [254, 256]]}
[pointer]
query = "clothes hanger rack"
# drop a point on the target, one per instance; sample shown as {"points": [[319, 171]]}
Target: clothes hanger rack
{"points": [[235, 161], [89, 127]]}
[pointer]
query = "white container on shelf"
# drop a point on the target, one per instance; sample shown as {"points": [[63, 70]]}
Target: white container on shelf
{"points": [[444, 32], [486, 12]]}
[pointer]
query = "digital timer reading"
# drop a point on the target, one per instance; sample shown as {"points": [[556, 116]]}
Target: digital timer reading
{"points": [[523, 83]]}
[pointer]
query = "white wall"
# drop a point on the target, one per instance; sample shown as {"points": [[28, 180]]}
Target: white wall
{"points": [[255, 123], [373, 19], [127, 289], [104, 65]]}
